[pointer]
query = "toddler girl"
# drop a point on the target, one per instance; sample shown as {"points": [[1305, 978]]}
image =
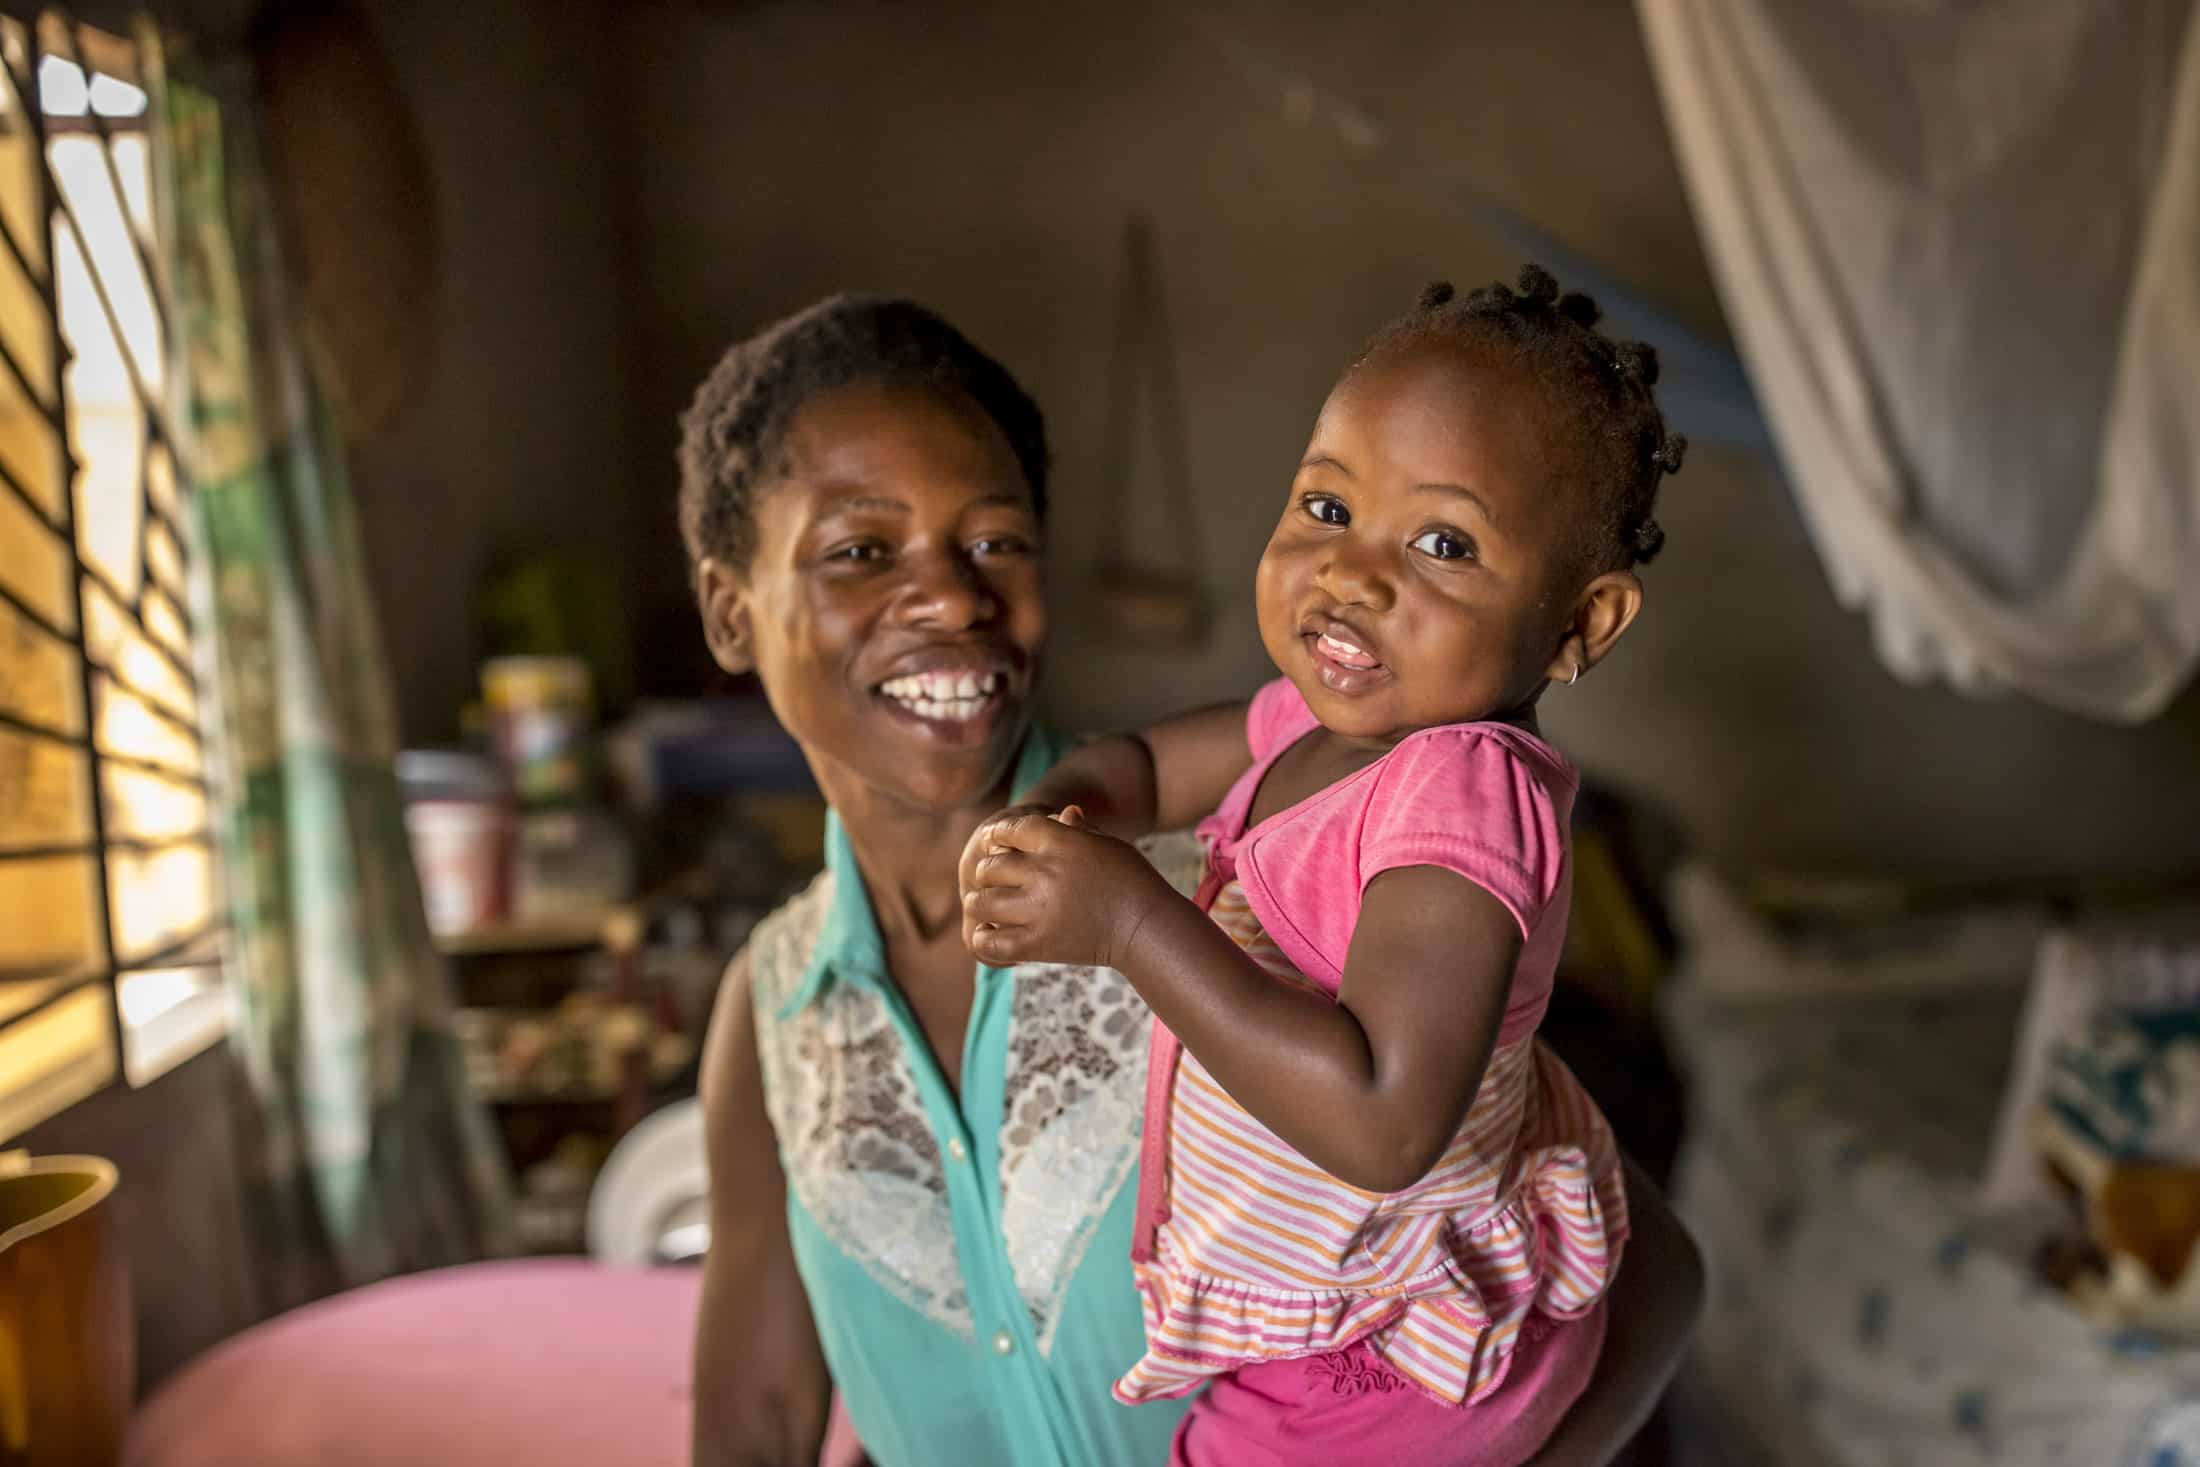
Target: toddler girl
{"points": [[1377, 1218]]}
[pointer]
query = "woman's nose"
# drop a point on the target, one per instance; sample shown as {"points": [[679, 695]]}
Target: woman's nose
{"points": [[947, 591]]}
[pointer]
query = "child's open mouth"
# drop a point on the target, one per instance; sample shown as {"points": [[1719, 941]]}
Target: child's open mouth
{"points": [[945, 696], [1342, 663]]}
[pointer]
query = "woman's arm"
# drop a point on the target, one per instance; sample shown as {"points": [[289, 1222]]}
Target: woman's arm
{"points": [[1650, 1312], [761, 1389], [1370, 1087]]}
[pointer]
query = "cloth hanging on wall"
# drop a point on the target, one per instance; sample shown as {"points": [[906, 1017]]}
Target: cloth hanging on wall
{"points": [[1960, 248], [372, 1156]]}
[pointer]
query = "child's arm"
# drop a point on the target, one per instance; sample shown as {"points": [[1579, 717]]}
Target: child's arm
{"points": [[1371, 1088], [1131, 785], [1162, 778]]}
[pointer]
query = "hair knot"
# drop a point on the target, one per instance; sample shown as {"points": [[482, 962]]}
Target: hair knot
{"points": [[1433, 294], [1649, 540], [1578, 308], [1637, 359], [1538, 284], [1671, 452]]}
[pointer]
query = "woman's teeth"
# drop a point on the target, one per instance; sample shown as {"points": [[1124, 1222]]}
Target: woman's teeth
{"points": [[1347, 653], [947, 696]]}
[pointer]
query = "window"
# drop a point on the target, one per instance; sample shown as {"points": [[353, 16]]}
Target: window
{"points": [[110, 936]]}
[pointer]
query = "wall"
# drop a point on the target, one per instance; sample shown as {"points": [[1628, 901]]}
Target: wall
{"points": [[515, 434], [986, 163]]}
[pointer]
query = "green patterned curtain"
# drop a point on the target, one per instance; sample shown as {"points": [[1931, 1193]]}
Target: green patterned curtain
{"points": [[372, 1156]]}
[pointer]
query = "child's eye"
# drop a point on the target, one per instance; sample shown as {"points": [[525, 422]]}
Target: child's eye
{"points": [[1328, 510], [1444, 545], [993, 545], [857, 552]]}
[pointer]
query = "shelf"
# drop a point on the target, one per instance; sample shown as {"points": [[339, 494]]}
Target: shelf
{"points": [[556, 932]]}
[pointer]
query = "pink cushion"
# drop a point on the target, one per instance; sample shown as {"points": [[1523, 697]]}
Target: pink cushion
{"points": [[526, 1362]]}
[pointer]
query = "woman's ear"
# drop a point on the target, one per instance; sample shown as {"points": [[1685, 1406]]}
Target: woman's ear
{"points": [[1606, 609], [722, 595]]}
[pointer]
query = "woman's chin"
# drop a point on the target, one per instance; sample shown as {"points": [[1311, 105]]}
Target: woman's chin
{"points": [[951, 763]]}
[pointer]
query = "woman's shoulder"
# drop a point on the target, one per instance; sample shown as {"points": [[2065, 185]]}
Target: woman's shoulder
{"points": [[780, 945]]}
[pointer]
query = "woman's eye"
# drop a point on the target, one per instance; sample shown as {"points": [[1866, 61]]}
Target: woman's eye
{"points": [[993, 545], [1444, 545], [858, 552], [1328, 510]]}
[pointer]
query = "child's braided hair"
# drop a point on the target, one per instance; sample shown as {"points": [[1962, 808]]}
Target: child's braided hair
{"points": [[1620, 445]]}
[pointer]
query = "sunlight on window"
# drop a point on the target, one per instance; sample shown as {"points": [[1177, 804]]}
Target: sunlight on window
{"points": [[108, 881]]}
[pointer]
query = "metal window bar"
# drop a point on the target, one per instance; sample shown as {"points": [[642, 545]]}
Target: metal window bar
{"points": [[202, 946], [30, 501], [38, 619], [32, 729], [23, 380], [133, 611], [129, 845]]}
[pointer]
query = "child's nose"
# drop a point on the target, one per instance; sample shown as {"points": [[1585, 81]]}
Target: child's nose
{"points": [[1355, 577]]}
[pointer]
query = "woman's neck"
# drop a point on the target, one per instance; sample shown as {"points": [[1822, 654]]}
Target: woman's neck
{"points": [[908, 857]]}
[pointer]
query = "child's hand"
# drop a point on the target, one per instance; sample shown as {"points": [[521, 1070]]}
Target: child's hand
{"points": [[1040, 888], [983, 840]]}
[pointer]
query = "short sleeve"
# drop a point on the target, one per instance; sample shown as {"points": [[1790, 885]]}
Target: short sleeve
{"points": [[1464, 800], [1277, 717]]}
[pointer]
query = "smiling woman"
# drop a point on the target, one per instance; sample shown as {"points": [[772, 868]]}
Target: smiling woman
{"points": [[861, 496]]}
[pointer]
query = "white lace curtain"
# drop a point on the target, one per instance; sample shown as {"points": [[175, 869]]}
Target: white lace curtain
{"points": [[1959, 244]]}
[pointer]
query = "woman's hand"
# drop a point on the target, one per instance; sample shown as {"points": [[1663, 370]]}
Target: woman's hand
{"points": [[1043, 888]]}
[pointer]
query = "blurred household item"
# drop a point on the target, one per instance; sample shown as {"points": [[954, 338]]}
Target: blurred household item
{"points": [[539, 710], [68, 1364], [1865, 1305], [536, 602], [2102, 1120], [651, 1202], [573, 1029], [1960, 249], [539, 1361], [567, 860], [458, 815], [666, 752]]}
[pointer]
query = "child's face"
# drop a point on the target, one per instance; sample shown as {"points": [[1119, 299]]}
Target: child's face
{"points": [[1416, 575], [892, 607]]}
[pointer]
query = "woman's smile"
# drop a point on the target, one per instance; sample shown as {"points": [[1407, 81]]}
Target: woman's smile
{"points": [[957, 700]]}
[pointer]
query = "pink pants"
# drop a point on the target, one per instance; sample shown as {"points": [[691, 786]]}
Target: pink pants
{"points": [[1349, 1407]]}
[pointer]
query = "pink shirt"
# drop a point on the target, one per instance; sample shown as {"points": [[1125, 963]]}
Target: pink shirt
{"points": [[1244, 1250], [1486, 800]]}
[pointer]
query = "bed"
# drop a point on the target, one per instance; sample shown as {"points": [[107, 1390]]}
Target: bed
{"points": [[1866, 1308]]}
